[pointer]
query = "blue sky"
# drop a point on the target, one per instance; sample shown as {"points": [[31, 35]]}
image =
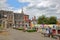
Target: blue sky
{"points": [[33, 7], [16, 4]]}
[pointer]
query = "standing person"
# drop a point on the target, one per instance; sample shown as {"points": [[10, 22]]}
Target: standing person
{"points": [[50, 31], [46, 33], [24, 29]]}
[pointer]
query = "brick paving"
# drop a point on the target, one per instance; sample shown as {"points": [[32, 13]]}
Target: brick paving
{"points": [[19, 35]]}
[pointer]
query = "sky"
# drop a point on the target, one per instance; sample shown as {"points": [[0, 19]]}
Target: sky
{"points": [[33, 7]]}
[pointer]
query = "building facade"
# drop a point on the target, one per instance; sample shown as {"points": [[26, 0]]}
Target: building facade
{"points": [[26, 20], [20, 19], [15, 19], [9, 17]]}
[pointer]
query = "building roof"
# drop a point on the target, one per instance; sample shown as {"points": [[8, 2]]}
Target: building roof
{"points": [[5, 11]]}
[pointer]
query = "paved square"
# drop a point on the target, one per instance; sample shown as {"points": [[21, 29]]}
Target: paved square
{"points": [[19, 35]]}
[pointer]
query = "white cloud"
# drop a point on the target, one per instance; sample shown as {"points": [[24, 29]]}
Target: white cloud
{"points": [[17, 11], [42, 7], [44, 3], [3, 1], [36, 7], [4, 5]]}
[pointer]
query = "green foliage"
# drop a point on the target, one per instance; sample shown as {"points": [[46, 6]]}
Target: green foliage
{"points": [[42, 20], [45, 20], [31, 30], [52, 20], [34, 28], [20, 28]]}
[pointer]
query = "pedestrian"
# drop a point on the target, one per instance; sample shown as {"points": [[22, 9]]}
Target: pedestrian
{"points": [[37, 29], [50, 31], [24, 28], [47, 32]]}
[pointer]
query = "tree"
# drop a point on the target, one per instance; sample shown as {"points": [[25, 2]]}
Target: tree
{"points": [[52, 20], [47, 20], [42, 20]]}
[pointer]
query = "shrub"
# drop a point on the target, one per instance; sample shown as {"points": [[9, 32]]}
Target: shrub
{"points": [[20, 28], [31, 30]]}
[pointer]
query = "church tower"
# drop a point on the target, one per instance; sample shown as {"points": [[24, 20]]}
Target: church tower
{"points": [[22, 11]]}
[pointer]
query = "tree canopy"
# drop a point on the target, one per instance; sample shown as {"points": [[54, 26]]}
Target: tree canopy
{"points": [[47, 20]]}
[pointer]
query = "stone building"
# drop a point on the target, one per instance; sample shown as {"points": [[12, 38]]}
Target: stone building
{"points": [[20, 19], [26, 20], [14, 19], [8, 17]]}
